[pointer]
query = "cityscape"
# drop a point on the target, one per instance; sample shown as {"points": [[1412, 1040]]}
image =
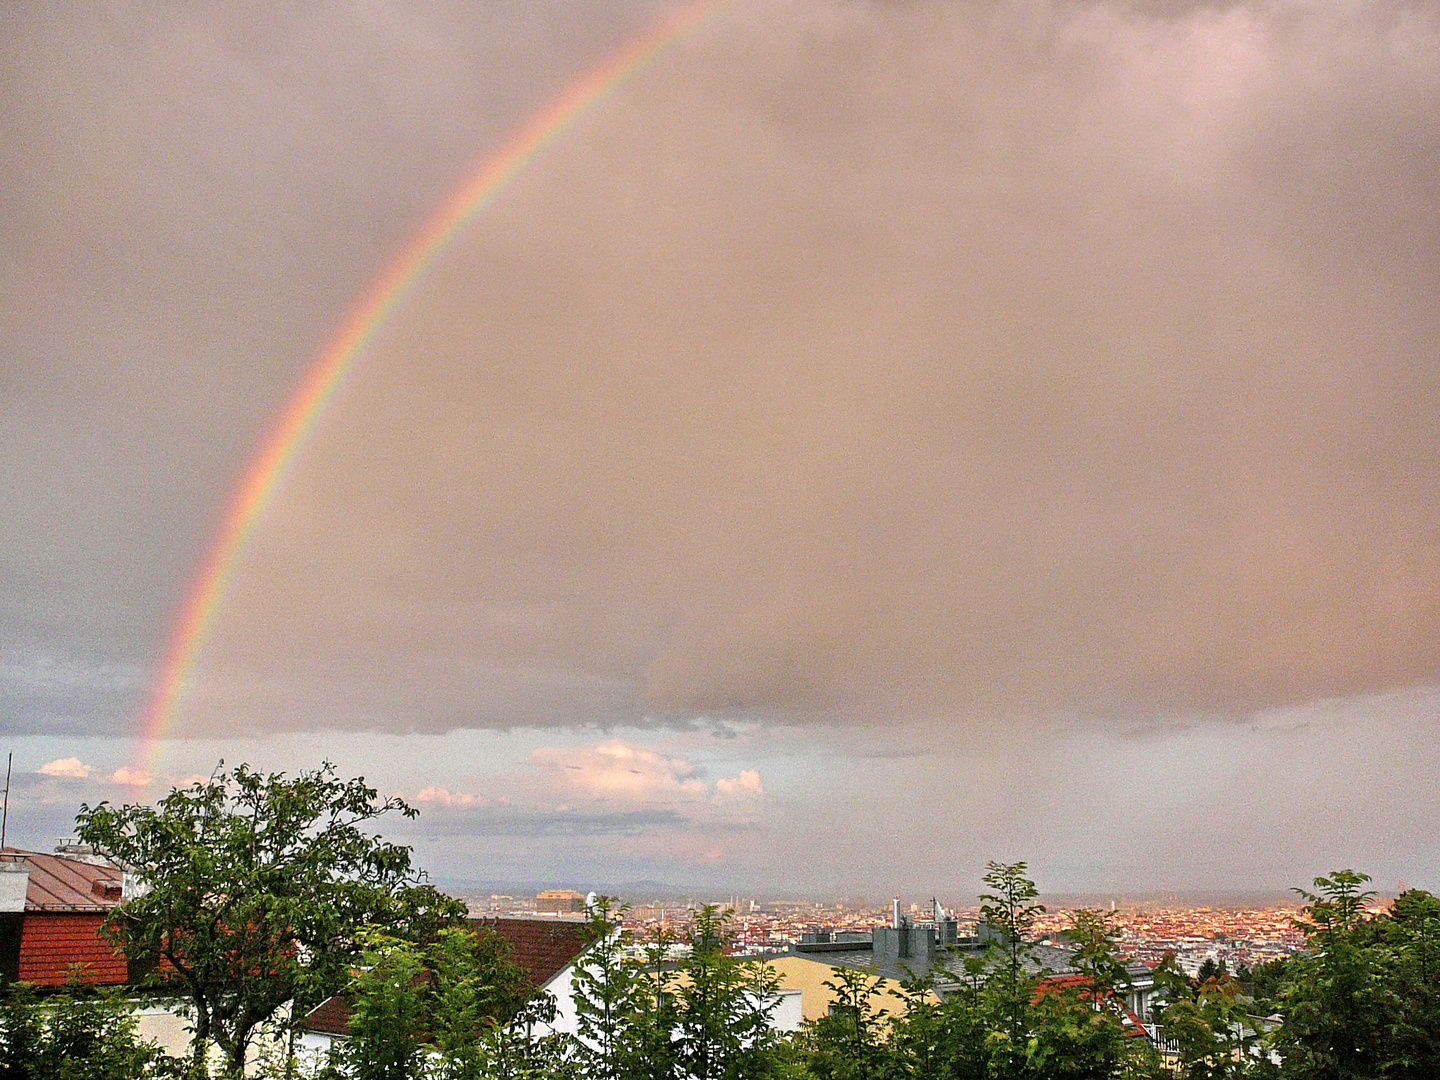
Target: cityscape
{"points": [[1234, 936]]}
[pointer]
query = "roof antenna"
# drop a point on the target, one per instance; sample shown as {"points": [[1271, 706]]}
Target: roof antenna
{"points": [[5, 813]]}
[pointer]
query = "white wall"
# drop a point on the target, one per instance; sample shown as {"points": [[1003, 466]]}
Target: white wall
{"points": [[788, 1014], [166, 1025], [787, 1017], [14, 885], [313, 1047], [567, 1019]]}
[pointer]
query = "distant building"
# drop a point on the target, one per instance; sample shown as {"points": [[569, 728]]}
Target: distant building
{"points": [[560, 901], [935, 947], [51, 908]]}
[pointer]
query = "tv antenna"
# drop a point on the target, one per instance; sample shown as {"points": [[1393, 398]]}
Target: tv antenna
{"points": [[5, 812]]}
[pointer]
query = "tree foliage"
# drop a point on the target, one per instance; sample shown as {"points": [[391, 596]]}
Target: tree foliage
{"points": [[723, 1006], [1010, 911], [707, 1018], [1210, 1021], [75, 1036], [256, 888], [1362, 1000], [849, 1042], [949, 1038], [456, 1007]]}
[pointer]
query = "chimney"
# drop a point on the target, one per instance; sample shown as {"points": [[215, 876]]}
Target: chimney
{"points": [[895, 915], [14, 885]]}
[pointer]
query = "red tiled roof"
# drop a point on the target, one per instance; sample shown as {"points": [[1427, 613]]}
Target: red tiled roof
{"points": [[330, 1017], [1081, 983], [542, 948], [1059, 983], [58, 883]]}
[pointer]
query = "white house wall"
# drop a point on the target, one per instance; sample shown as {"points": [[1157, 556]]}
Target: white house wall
{"points": [[168, 1027], [567, 1017], [789, 1014]]}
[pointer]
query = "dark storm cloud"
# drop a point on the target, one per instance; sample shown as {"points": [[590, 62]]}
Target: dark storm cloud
{"points": [[870, 360], [856, 360], [190, 197]]}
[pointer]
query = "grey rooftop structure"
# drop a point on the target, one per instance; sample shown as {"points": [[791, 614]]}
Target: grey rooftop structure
{"points": [[935, 947]]}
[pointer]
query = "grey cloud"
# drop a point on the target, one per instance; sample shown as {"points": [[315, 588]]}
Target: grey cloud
{"points": [[855, 362], [190, 199], [521, 823], [56, 694], [860, 362]]}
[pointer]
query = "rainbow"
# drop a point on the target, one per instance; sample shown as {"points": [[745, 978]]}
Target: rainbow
{"points": [[306, 405]]}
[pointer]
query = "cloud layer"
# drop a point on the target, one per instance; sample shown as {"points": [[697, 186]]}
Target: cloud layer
{"points": [[903, 360], [1267, 803], [634, 801], [618, 769], [872, 413]]}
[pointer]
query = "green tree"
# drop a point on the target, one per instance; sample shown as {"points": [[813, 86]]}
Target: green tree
{"points": [[943, 1040], [511, 1052], [1096, 956], [606, 986], [1071, 1039], [1210, 1027], [1080, 1029], [456, 1008], [387, 1011], [649, 1050], [1211, 969], [255, 890], [1413, 927], [723, 1006], [708, 1019], [1267, 980], [74, 1036], [1010, 911], [849, 1042], [473, 991], [1338, 1004]]}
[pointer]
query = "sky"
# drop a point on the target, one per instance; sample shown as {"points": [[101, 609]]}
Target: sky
{"points": [[873, 439]]}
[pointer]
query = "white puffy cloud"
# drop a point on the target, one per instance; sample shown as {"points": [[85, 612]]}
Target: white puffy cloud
{"points": [[647, 795], [745, 786], [130, 777], [621, 769], [71, 768], [439, 796]]}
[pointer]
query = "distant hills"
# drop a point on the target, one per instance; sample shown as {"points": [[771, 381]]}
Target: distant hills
{"points": [[643, 890]]}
